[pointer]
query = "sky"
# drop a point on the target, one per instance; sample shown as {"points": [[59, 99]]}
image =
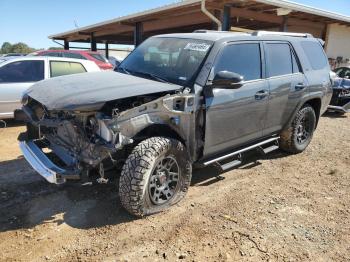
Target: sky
{"points": [[32, 21]]}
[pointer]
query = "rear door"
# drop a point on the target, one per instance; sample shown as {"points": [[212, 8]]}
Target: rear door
{"points": [[237, 116], [287, 84], [15, 78]]}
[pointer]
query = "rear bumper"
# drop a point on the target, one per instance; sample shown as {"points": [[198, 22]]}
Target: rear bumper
{"points": [[41, 163]]}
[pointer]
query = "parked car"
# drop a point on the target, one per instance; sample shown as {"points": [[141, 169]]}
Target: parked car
{"points": [[114, 61], [14, 54], [340, 102], [96, 57], [178, 100], [19, 73]]}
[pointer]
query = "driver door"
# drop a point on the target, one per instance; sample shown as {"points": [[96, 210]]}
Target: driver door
{"points": [[235, 117]]}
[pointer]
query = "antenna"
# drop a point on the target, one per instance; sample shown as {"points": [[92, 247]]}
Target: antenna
{"points": [[76, 24]]}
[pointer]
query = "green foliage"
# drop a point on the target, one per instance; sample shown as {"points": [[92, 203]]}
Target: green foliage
{"points": [[16, 48], [55, 48], [6, 48]]}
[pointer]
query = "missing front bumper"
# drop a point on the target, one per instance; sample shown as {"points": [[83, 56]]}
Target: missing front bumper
{"points": [[43, 165]]}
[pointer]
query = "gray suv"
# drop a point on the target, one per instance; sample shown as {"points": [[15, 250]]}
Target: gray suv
{"points": [[177, 101]]}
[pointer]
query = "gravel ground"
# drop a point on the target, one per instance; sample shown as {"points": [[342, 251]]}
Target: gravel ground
{"points": [[277, 207]]}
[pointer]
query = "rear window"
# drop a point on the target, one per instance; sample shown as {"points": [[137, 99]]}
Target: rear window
{"points": [[99, 57], [54, 54], [60, 68], [73, 55], [315, 55]]}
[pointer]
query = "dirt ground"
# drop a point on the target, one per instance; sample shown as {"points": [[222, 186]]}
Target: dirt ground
{"points": [[276, 207]]}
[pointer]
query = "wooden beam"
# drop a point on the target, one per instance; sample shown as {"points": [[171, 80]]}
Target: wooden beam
{"points": [[258, 16]]}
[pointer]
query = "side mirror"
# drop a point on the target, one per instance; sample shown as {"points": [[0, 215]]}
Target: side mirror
{"points": [[227, 79]]}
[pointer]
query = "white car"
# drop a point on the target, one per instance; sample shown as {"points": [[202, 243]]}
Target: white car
{"points": [[17, 74]]}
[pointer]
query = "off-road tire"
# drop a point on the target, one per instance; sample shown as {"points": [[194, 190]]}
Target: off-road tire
{"points": [[288, 141], [140, 165]]}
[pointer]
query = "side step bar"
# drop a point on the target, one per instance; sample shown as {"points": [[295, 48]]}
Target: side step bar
{"points": [[238, 153]]}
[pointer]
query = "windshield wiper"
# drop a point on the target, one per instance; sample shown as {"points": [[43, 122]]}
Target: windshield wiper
{"points": [[153, 76], [126, 71], [149, 75]]}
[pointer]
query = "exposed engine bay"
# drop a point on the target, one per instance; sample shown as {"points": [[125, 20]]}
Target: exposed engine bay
{"points": [[83, 141]]}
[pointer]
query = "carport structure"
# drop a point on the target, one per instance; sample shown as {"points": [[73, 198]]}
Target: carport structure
{"points": [[190, 15]]}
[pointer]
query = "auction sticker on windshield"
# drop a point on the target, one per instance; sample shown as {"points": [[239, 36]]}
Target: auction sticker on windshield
{"points": [[197, 47]]}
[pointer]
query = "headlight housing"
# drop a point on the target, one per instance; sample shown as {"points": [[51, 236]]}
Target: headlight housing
{"points": [[24, 99]]}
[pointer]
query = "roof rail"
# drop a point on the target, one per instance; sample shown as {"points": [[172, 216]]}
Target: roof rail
{"points": [[262, 33], [208, 31]]}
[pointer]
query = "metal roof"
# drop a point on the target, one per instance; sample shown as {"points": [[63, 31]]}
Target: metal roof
{"points": [[185, 16]]}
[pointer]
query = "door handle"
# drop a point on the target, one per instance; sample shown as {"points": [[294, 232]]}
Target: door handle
{"points": [[300, 86], [261, 94]]}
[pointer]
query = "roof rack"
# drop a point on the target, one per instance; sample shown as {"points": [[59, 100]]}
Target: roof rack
{"points": [[262, 33], [208, 31]]}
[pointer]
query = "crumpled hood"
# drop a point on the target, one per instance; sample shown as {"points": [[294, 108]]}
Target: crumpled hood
{"points": [[90, 91]]}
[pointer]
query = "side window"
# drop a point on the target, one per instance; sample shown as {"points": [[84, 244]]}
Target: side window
{"points": [[279, 59], [315, 55], [22, 71], [243, 59], [60, 68], [296, 68], [74, 55]]}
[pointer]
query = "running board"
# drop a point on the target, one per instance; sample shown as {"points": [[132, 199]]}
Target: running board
{"points": [[239, 152], [270, 149]]}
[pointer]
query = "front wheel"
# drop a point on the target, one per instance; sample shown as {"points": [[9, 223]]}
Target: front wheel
{"points": [[296, 137], [156, 175]]}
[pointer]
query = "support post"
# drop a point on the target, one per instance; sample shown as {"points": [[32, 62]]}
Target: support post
{"points": [[106, 50], [138, 32], [66, 45], [226, 20], [284, 25], [93, 42]]}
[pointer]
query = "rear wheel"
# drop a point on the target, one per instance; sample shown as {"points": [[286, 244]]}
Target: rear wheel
{"points": [[298, 135], [156, 175]]}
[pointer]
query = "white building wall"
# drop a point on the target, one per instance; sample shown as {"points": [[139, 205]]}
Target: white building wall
{"points": [[338, 43]]}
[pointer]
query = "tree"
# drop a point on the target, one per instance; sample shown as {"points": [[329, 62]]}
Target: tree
{"points": [[6, 48], [55, 48], [21, 48]]}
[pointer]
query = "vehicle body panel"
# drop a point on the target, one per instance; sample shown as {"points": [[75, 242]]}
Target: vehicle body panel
{"points": [[92, 91], [11, 93], [208, 120], [104, 65]]}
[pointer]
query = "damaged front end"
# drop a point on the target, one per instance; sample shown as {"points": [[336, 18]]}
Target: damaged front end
{"points": [[63, 145]]}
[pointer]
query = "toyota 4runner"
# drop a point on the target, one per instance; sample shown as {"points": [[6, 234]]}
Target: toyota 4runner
{"points": [[177, 100]]}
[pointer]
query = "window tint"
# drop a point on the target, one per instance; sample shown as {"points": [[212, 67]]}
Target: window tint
{"points": [[60, 68], [22, 71], [315, 55], [243, 59], [74, 55], [278, 59], [99, 57], [54, 54]]}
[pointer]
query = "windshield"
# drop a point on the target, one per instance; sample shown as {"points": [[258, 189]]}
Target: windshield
{"points": [[173, 60]]}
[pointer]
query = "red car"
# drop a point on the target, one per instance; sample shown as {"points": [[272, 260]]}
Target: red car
{"points": [[96, 57]]}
